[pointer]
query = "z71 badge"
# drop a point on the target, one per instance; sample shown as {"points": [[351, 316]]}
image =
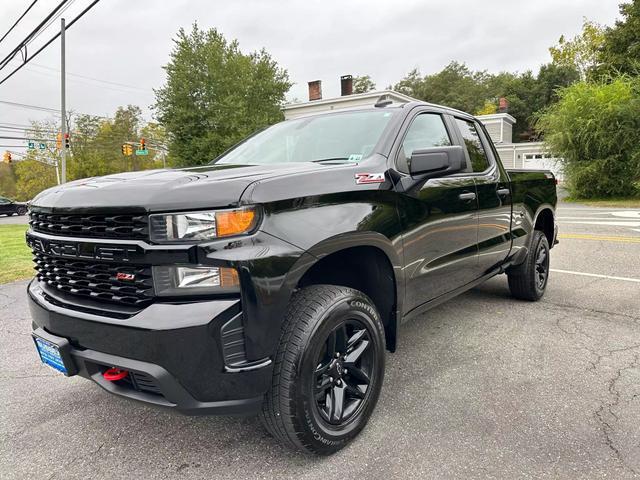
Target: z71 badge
{"points": [[362, 178]]}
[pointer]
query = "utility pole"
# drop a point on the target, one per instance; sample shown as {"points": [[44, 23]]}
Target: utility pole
{"points": [[63, 110]]}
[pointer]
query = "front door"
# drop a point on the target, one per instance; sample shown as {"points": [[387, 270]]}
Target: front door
{"points": [[439, 218]]}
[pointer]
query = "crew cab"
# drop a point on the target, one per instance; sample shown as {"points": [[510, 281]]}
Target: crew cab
{"points": [[273, 280]]}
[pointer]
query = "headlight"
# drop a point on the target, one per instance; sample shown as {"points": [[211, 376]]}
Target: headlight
{"points": [[201, 226], [178, 280]]}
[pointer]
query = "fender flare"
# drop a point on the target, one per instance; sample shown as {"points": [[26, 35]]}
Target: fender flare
{"points": [[347, 240]]}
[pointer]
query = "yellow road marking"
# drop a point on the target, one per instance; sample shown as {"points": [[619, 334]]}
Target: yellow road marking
{"points": [[601, 238]]}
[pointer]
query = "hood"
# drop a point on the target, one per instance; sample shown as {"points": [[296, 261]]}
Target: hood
{"points": [[162, 190]]}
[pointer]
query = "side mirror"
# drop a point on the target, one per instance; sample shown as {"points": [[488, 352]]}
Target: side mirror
{"points": [[436, 161]]}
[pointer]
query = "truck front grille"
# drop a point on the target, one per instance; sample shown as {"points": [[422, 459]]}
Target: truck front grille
{"points": [[94, 226], [96, 280]]}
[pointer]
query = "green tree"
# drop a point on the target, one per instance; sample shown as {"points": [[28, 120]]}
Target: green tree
{"points": [[363, 84], [489, 108], [33, 176], [595, 128], [551, 78], [455, 86], [582, 52], [7, 180], [215, 95], [620, 51]]}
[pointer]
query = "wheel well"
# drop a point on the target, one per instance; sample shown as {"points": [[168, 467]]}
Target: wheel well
{"points": [[544, 223], [366, 269]]}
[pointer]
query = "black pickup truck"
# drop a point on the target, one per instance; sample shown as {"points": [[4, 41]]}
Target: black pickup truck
{"points": [[274, 279]]}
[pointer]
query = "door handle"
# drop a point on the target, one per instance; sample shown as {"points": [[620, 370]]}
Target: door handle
{"points": [[467, 196], [503, 192]]}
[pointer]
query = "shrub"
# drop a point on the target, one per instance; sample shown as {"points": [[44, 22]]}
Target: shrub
{"points": [[595, 128]]}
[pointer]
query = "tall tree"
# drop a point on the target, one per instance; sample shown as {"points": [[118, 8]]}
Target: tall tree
{"points": [[620, 52], [455, 86], [215, 95], [363, 84], [582, 52]]}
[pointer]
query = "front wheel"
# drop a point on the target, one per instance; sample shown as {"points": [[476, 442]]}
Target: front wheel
{"points": [[328, 371], [528, 280]]}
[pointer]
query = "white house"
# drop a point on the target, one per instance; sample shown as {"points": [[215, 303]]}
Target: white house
{"points": [[523, 155]]}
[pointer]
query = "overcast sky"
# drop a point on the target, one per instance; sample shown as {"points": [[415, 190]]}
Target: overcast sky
{"points": [[127, 42]]}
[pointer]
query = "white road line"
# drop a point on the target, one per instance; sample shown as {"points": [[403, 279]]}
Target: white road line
{"points": [[599, 219], [625, 279], [604, 222]]}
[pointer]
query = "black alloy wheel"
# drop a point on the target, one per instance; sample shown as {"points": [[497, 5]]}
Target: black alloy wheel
{"points": [[542, 265], [528, 281], [343, 373], [328, 370]]}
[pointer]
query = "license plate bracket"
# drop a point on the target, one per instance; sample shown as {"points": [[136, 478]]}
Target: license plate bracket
{"points": [[54, 351]]}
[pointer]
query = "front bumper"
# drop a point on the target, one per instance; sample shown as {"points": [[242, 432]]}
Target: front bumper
{"points": [[177, 354]]}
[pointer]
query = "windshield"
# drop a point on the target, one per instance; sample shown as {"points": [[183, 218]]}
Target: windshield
{"points": [[342, 137]]}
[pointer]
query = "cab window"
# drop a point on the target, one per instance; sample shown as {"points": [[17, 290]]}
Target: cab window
{"points": [[471, 137], [426, 131]]}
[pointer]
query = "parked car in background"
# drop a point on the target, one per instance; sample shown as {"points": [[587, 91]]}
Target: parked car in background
{"points": [[9, 207]]}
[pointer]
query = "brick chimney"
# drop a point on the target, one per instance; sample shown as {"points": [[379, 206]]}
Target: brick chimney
{"points": [[346, 85], [315, 90]]}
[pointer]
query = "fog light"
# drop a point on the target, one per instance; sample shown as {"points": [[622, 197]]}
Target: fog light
{"points": [[179, 280]]}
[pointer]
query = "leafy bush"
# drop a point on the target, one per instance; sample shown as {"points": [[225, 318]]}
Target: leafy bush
{"points": [[595, 128]]}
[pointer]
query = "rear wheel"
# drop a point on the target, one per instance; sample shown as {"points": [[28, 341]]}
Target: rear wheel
{"points": [[328, 372], [21, 210], [528, 280]]}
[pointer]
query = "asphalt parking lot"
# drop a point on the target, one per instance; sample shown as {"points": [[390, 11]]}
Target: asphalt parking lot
{"points": [[481, 387]]}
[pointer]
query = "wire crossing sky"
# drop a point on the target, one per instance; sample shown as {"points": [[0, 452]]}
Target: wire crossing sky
{"points": [[116, 51]]}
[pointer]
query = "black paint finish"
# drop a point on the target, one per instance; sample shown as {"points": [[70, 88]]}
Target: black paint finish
{"points": [[434, 236]]}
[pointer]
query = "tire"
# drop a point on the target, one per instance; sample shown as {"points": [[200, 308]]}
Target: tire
{"points": [[528, 280], [317, 402], [21, 211]]}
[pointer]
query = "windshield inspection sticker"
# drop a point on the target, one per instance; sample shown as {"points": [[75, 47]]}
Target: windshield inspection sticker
{"points": [[355, 157], [363, 178]]}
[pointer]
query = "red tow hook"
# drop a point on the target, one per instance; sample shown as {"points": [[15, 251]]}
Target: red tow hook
{"points": [[115, 374]]}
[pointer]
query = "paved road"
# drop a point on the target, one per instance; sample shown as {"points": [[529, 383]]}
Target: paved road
{"points": [[13, 220], [481, 387]]}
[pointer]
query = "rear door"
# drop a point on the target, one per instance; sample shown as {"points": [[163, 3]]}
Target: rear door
{"points": [[439, 217], [494, 196]]}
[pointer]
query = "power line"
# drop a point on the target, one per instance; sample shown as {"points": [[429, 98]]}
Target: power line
{"points": [[28, 59], [30, 107], [18, 21], [120, 87], [53, 19], [24, 138], [29, 37]]}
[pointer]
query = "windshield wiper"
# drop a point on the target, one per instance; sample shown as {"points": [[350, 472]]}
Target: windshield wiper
{"points": [[335, 159]]}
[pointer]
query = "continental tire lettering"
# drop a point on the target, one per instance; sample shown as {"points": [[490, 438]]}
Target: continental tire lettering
{"points": [[364, 306]]}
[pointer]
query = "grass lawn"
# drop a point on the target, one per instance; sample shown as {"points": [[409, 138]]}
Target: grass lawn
{"points": [[15, 256], [606, 202]]}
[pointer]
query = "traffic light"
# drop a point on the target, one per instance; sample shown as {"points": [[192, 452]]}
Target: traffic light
{"points": [[143, 144], [6, 157], [67, 141], [59, 141], [123, 149]]}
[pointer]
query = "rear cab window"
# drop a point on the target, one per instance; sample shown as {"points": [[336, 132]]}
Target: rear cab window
{"points": [[473, 142]]}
